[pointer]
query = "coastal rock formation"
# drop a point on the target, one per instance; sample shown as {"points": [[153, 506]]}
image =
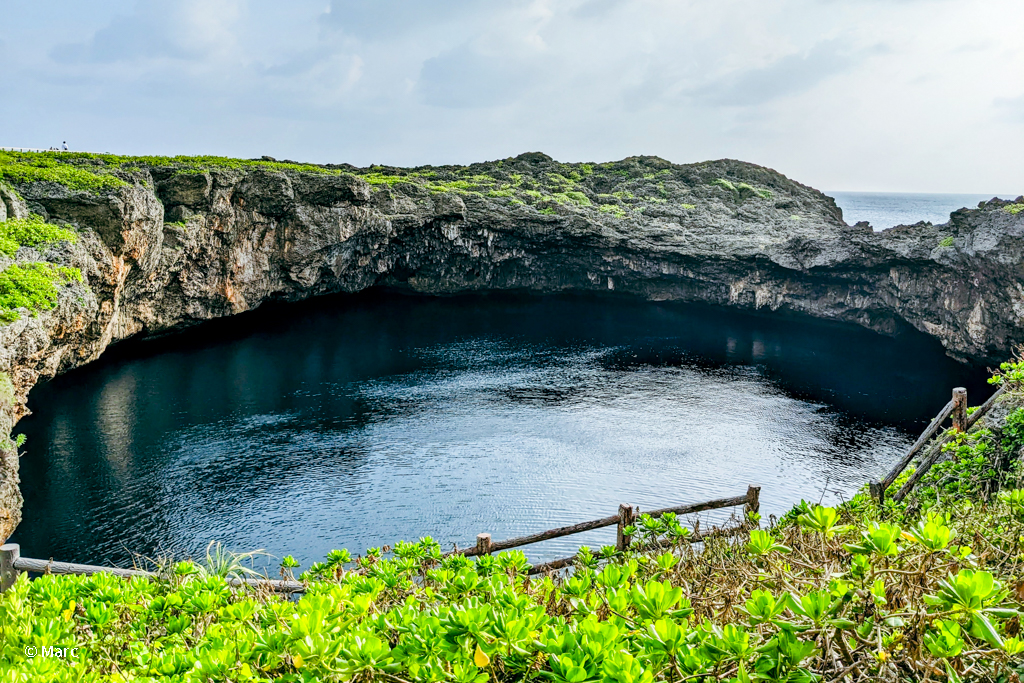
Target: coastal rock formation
{"points": [[170, 243]]}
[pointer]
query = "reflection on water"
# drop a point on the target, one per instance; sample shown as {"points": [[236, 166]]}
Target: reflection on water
{"points": [[355, 422]]}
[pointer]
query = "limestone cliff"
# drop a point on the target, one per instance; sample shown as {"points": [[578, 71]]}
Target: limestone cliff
{"points": [[165, 243]]}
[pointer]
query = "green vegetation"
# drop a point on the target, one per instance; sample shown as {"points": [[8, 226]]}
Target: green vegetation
{"points": [[31, 232], [946, 241], [927, 589], [19, 167], [96, 172], [383, 179], [6, 388], [688, 206], [571, 185], [1013, 209], [613, 209], [572, 196], [33, 286], [742, 190]]}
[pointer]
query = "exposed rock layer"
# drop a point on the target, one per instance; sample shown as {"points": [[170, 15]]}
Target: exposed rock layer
{"points": [[236, 237]]}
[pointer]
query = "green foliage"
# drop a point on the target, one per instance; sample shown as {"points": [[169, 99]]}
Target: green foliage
{"points": [[1012, 440], [762, 542], [6, 388], [688, 206], [383, 179], [1013, 209], [33, 286], [31, 167], [613, 209], [1011, 371], [31, 232], [967, 472], [946, 241], [822, 520], [803, 609], [723, 183], [745, 189]]}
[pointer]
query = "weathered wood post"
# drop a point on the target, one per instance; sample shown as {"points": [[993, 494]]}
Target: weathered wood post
{"points": [[9, 553], [877, 491], [627, 517], [483, 544], [960, 409], [753, 503]]}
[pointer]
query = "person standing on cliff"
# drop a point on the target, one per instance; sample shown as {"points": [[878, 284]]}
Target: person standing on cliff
{"points": [[65, 145]]}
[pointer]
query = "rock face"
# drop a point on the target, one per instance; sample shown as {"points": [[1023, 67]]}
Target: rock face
{"points": [[723, 233]]}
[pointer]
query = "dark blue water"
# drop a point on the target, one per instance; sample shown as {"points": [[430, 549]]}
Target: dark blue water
{"points": [[887, 209], [355, 422]]}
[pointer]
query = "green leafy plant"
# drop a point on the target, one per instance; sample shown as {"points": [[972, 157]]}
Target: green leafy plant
{"points": [[34, 286]]}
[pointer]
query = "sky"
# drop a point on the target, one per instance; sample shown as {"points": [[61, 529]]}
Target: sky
{"points": [[856, 95]]}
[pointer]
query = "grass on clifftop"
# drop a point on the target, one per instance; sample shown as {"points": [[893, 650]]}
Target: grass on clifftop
{"points": [[98, 172], [542, 183], [31, 167], [929, 589]]}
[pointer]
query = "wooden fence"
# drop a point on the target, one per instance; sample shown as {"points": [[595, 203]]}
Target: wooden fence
{"points": [[12, 564], [956, 409], [626, 517]]}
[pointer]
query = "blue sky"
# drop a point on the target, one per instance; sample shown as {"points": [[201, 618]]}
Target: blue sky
{"points": [[876, 95]]}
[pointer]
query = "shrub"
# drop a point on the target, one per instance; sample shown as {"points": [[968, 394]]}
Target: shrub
{"points": [[34, 286], [52, 167], [946, 241], [31, 232]]}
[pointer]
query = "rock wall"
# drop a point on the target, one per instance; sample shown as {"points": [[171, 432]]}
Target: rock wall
{"points": [[177, 247]]}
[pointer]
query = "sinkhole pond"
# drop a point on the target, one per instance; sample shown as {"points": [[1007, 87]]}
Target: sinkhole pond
{"points": [[356, 421]]}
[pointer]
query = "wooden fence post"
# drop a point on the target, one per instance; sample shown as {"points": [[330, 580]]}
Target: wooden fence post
{"points": [[9, 553], [877, 492], [753, 500], [627, 517], [960, 409], [483, 544]]}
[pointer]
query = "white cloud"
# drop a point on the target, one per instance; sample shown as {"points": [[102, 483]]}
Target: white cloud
{"points": [[855, 94]]}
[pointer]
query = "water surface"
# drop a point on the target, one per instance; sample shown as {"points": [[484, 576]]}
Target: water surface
{"points": [[358, 421], [887, 209]]}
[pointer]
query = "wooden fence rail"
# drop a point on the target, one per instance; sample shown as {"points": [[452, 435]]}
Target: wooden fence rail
{"points": [[955, 409], [12, 564], [626, 517]]}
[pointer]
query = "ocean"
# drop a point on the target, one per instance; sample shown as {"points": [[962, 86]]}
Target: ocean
{"points": [[887, 209]]}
